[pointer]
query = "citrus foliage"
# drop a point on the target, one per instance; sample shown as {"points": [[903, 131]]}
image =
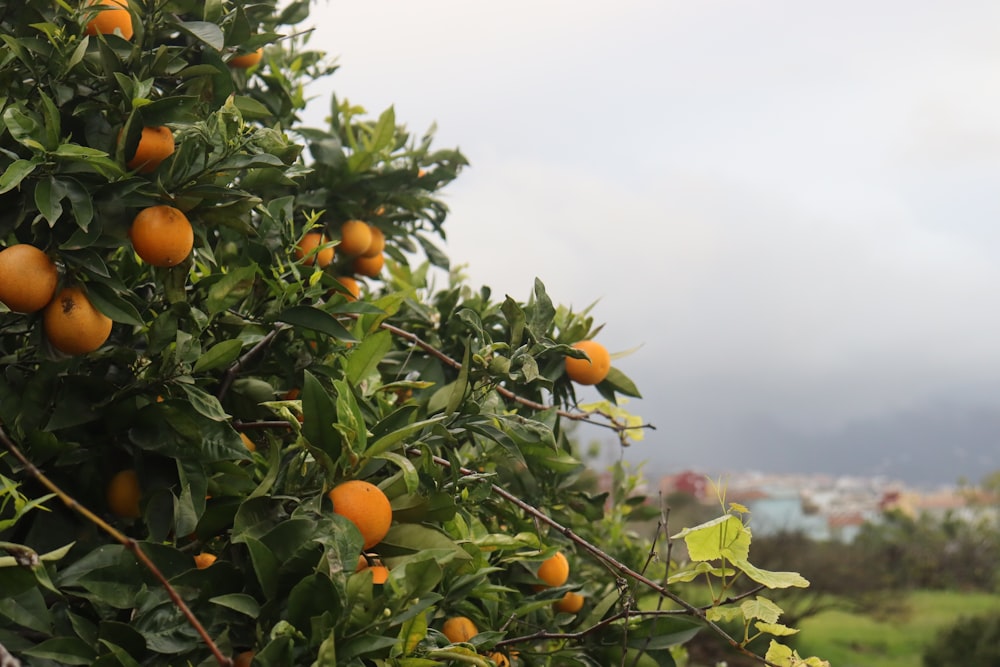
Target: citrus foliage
{"points": [[210, 400]]}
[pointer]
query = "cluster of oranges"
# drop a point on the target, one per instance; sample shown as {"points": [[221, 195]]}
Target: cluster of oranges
{"points": [[360, 242], [28, 283], [161, 236], [113, 17]]}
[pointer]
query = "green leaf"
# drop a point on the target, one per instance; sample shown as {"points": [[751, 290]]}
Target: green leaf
{"points": [[776, 629], [316, 320], [365, 358], [724, 537], [209, 33], [48, 194], [318, 414], [404, 538], [393, 438], [64, 650], [385, 129], [219, 355], [768, 578], [232, 288], [762, 608], [241, 602], [15, 173], [461, 385], [205, 403], [25, 128], [106, 300], [619, 382]]}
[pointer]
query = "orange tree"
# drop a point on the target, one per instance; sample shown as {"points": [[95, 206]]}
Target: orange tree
{"points": [[198, 382]]}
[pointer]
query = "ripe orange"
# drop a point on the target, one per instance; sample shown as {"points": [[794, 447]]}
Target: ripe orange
{"points": [[28, 278], [123, 494], [73, 325], [156, 144], [570, 603], [244, 659], [355, 237], [378, 242], [107, 20], [364, 505], [380, 573], [499, 658], [248, 442], [459, 629], [246, 60], [305, 250], [362, 563], [589, 371], [352, 286], [554, 571], [368, 266], [203, 560], [162, 235]]}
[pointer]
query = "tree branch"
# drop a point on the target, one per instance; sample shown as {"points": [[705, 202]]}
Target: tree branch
{"points": [[609, 560], [120, 537]]}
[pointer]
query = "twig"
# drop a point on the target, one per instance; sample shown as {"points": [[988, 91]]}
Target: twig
{"points": [[231, 372], [120, 537], [608, 559]]}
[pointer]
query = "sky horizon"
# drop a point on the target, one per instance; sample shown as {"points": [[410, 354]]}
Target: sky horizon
{"points": [[789, 209]]}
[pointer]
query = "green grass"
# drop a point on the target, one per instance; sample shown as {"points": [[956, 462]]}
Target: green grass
{"points": [[849, 640]]}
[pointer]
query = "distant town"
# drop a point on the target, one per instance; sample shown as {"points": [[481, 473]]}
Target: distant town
{"points": [[826, 507]]}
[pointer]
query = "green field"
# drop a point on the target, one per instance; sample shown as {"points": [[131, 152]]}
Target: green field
{"points": [[849, 640]]}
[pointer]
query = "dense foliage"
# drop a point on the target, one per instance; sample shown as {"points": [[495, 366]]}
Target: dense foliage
{"points": [[192, 449]]}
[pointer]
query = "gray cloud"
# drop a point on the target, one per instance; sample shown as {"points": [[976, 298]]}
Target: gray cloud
{"points": [[791, 207]]}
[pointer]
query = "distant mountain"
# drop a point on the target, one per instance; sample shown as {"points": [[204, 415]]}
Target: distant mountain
{"points": [[936, 445]]}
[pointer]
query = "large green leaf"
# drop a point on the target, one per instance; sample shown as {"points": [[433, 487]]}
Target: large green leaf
{"points": [[724, 537]]}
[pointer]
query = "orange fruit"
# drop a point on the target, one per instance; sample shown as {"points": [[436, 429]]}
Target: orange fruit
{"points": [[380, 573], [379, 210], [305, 250], [368, 266], [459, 629], [291, 394], [246, 60], [362, 563], [352, 286], [123, 494], [499, 658], [107, 20], [156, 144], [28, 278], [355, 237], [244, 659], [589, 371], [73, 325], [570, 603], [161, 235], [364, 505], [203, 560], [378, 242], [554, 571], [248, 442]]}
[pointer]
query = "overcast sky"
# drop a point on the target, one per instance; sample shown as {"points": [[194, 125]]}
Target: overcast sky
{"points": [[792, 206]]}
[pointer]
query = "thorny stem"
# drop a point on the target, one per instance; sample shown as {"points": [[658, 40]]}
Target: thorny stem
{"points": [[608, 559], [123, 539]]}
